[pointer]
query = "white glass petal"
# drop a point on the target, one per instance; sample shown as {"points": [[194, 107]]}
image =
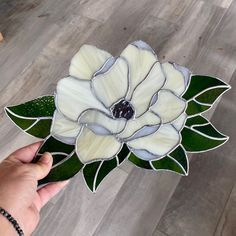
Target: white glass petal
{"points": [[90, 146], [180, 121], [144, 155], [142, 95], [87, 61], [159, 143], [112, 85], [133, 126], [75, 96], [101, 123], [185, 71], [64, 129], [168, 106], [140, 58], [175, 80]]}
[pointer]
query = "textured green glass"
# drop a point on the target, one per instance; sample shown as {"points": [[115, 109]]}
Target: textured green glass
{"points": [[195, 108], [167, 163], [139, 162], [195, 142], [64, 171], [53, 145], [105, 169], [180, 156], [20, 122], [124, 152], [210, 96], [196, 120], [41, 129], [39, 107], [198, 83], [210, 130]]}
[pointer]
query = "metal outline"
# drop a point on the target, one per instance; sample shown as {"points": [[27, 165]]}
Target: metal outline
{"points": [[84, 81], [93, 90], [184, 110], [161, 156], [25, 130], [93, 123], [225, 140], [60, 137], [142, 81], [147, 47], [207, 75], [94, 190], [193, 127], [98, 159], [130, 137]]}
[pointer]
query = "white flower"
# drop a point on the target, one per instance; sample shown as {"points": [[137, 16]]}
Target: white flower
{"points": [[107, 101]]}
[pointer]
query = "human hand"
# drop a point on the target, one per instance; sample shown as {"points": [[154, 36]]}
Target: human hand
{"points": [[18, 188]]}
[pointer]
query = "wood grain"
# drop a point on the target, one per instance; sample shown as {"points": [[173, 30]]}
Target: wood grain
{"points": [[226, 226], [40, 37]]}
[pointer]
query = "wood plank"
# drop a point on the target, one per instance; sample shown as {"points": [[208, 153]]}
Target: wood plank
{"points": [[78, 211], [221, 3], [218, 52], [195, 27], [115, 33], [100, 10], [28, 26], [227, 224], [40, 77], [137, 207]]}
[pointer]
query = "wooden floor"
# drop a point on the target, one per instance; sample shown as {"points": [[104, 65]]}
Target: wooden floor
{"points": [[40, 39]]}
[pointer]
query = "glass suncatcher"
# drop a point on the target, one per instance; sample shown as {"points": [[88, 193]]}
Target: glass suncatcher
{"points": [[112, 109]]}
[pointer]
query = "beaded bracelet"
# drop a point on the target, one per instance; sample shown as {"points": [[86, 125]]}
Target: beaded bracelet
{"points": [[12, 221]]}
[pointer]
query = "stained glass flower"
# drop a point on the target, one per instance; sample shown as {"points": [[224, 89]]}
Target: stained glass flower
{"points": [[110, 109], [107, 101]]}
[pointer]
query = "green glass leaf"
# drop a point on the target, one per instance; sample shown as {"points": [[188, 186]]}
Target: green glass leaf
{"points": [[20, 122], [210, 130], [41, 129], [40, 107], [194, 141], [195, 108], [198, 83], [124, 152], [63, 171], [211, 95], [95, 172], [89, 173], [105, 168], [196, 120], [180, 157], [168, 164], [34, 117], [139, 162], [56, 157], [53, 145], [58, 149]]}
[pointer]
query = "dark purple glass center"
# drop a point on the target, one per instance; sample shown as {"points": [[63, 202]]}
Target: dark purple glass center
{"points": [[123, 109]]}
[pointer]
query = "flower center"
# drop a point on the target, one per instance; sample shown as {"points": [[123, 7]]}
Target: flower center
{"points": [[122, 109]]}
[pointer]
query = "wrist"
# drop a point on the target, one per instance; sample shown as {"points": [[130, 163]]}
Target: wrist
{"points": [[6, 228]]}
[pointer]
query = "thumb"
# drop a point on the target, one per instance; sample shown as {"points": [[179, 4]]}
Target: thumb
{"points": [[42, 167]]}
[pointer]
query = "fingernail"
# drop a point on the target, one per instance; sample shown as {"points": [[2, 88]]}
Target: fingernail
{"points": [[45, 158]]}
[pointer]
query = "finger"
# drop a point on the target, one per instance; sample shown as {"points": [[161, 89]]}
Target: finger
{"points": [[41, 168], [27, 153], [48, 192]]}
